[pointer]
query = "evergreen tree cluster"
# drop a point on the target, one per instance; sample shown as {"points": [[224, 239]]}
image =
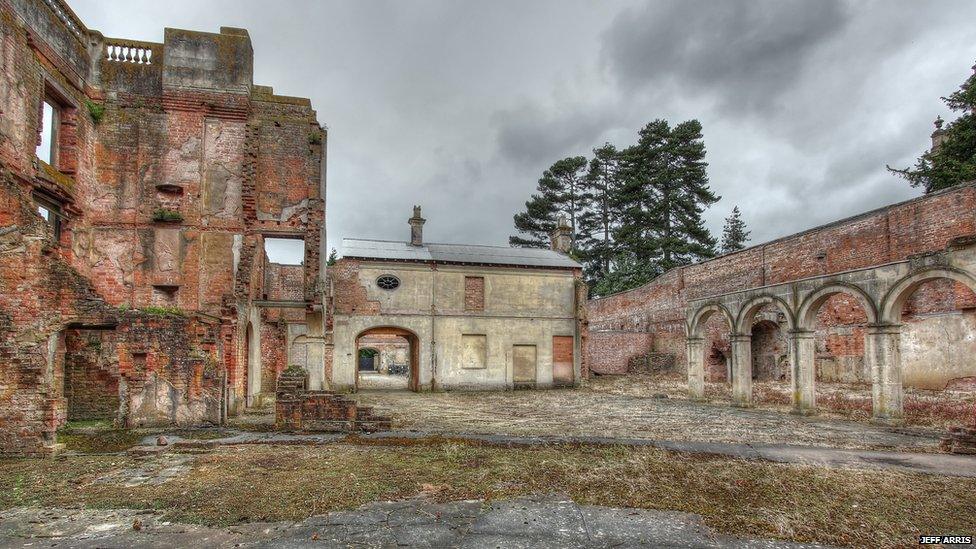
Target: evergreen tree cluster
{"points": [[635, 212], [953, 161]]}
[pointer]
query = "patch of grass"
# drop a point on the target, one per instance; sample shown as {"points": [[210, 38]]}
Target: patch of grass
{"points": [[166, 216], [87, 424], [743, 498], [108, 441], [163, 311]]}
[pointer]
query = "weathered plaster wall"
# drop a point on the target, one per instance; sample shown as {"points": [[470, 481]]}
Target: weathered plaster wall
{"points": [[521, 307]]}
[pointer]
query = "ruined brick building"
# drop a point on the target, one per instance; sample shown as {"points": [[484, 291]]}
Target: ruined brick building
{"points": [[143, 185], [884, 298], [139, 184]]}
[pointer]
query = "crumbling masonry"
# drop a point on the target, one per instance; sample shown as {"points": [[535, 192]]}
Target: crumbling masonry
{"points": [[138, 183], [883, 298], [142, 185]]}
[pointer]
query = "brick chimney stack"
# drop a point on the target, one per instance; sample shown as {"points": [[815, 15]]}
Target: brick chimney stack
{"points": [[561, 238], [416, 228], [938, 135]]}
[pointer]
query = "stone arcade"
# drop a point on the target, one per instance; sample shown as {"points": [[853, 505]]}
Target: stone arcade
{"points": [[884, 298]]}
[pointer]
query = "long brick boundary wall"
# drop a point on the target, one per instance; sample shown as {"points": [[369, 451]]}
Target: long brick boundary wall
{"points": [[878, 237]]}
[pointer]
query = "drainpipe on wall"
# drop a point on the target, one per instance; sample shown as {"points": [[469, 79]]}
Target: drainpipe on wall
{"points": [[433, 325]]}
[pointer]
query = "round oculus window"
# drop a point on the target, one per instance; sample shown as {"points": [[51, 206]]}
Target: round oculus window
{"points": [[388, 282]]}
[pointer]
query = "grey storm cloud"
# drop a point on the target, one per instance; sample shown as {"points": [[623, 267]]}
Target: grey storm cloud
{"points": [[754, 50], [459, 105]]}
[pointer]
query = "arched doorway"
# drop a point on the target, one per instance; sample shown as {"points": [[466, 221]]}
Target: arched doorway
{"points": [[759, 344], [709, 357], [387, 357], [927, 362], [836, 326], [770, 351]]}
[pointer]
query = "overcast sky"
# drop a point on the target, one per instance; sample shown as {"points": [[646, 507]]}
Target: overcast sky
{"points": [[459, 105]]}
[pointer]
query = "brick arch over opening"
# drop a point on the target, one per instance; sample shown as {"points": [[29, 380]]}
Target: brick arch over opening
{"points": [[704, 313], [747, 312], [894, 300], [807, 315], [412, 339]]}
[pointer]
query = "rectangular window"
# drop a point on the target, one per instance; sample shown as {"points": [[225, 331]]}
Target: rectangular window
{"points": [[51, 213], [474, 293], [47, 147], [285, 251], [474, 351]]}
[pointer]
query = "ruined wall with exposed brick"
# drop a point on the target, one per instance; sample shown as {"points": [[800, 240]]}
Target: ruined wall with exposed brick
{"points": [[874, 238], [40, 295], [284, 282], [170, 168]]}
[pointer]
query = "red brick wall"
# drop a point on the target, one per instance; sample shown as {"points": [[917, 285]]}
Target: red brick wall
{"points": [[236, 162], [284, 282], [91, 378], [349, 296], [610, 351], [474, 293], [874, 238]]}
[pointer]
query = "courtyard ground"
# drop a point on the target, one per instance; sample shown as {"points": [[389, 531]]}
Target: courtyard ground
{"points": [[923, 408], [259, 492], [622, 461], [641, 407]]}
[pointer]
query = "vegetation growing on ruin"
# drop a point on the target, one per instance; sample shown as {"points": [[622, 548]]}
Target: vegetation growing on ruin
{"points": [[315, 138], [862, 508], [167, 216], [95, 111], [163, 311]]}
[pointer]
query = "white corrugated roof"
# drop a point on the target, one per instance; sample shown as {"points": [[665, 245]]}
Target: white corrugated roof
{"points": [[455, 253]]}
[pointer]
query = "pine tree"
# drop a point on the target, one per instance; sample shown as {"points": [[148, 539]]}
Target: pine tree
{"points": [[561, 190], [734, 234], [663, 192], [627, 272], [333, 257], [597, 221], [952, 159], [534, 224]]}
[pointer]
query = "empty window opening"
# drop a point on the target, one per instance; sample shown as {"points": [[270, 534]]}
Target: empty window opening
{"points": [[50, 212], [285, 251], [165, 296], [46, 147]]}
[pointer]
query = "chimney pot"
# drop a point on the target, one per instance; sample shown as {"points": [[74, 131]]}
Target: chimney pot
{"points": [[938, 135], [561, 238], [416, 227]]}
